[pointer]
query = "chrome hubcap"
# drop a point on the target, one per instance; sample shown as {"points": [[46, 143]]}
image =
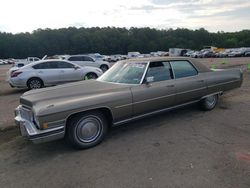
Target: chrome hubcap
{"points": [[35, 84], [211, 100], [88, 129]]}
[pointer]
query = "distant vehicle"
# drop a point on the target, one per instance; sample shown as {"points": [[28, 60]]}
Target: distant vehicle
{"points": [[3, 62], [247, 54], [208, 54], [174, 52], [196, 54], [51, 72], [115, 58], [133, 54], [85, 60], [189, 53], [236, 53], [83, 112]]}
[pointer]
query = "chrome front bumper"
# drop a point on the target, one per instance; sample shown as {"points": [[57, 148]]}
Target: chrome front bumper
{"points": [[29, 130]]}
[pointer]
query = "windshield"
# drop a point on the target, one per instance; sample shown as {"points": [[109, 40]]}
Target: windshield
{"points": [[125, 73]]}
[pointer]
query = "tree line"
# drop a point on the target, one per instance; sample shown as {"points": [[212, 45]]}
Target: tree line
{"points": [[111, 40]]}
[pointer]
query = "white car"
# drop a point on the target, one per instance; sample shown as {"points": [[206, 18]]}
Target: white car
{"points": [[84, 60], [51, 72], [2, 62]]}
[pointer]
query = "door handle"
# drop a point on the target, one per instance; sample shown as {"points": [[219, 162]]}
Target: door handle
{"points": [[40, 72], [200, 81], [170, 86]]}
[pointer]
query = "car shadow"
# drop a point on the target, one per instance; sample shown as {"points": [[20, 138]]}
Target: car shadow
{"points": [[12, 92], [61, 147]]}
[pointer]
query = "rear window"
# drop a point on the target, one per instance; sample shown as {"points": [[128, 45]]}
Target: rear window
{"points": [[183, 69]]}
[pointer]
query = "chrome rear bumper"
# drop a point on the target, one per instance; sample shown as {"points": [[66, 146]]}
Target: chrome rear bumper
{"points": [[29, 130]]}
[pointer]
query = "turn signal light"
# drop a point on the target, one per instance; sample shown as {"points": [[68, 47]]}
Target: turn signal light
{"points": [[45, 125]]}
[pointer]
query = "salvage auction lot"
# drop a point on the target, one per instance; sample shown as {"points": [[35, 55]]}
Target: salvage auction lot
{"points": [[182, 148]]}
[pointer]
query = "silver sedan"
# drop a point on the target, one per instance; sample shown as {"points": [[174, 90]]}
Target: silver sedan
{"points": [[51, 72]]}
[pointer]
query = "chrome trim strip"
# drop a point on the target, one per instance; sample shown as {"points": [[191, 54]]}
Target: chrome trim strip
{"points": [[201, 88], [153, 113], [224, 83], [124, 105], [216, 93]]}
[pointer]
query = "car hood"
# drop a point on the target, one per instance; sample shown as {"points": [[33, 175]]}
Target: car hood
{"points": [[68, 94]]}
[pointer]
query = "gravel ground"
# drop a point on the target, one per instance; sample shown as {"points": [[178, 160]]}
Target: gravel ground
{"points": [[182, 148]]}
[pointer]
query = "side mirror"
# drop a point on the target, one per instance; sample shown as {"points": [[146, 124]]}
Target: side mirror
{"points": [[76, 67], [149, 79]]}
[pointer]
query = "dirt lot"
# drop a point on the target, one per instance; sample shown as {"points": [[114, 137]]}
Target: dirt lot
{"points": [[182, 148]]}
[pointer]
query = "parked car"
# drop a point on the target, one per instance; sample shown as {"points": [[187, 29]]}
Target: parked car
{"points": [[51, 72], [130, 90], [236, 53], [84, 60], [208, 54], [196, 54], [3, 62]]}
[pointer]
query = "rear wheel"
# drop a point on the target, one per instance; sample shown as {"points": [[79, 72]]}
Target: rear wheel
{"points": [[90, 76], [104, 68], [35, 83], [209, 102], [88, 130]]}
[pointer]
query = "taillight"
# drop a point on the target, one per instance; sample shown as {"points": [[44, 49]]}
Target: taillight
{"points": [[15, 74]]}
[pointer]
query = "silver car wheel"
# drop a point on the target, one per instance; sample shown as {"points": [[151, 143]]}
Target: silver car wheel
{"points": [[90, 76], [211, 100], [35, 84], [88, 129]]}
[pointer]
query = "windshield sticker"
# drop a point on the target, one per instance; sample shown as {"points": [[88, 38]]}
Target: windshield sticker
{"points": [[138, 65]]}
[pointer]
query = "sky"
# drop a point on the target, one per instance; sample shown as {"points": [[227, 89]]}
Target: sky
{"points": [[214, 15]]}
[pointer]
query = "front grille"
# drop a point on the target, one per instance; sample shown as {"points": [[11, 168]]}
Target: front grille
{"points": [[26, 114]]}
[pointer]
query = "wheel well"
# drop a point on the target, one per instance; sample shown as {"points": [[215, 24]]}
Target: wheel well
{"points": [[35, 78], [105, 111], [104, 65], [91, 73]]}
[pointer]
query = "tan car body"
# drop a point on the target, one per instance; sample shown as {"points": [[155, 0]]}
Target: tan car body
{"points": [[51, 108]]}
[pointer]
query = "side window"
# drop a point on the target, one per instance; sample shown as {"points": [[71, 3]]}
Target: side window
{"points": [[86, 58], [52, 65], [65, 65], [160, 71], [75, 58], [20, 65], [183, 69], [41, 66], [46, 65]]}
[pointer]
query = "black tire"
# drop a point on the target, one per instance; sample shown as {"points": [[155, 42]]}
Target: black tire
{"points": [[209, 102], [87, 130], [104, 68], [34, 83], [90, 76]]}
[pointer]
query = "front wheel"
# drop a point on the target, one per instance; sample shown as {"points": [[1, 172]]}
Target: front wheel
{"points": [[88, 130], [90, 76], [209, 102]]}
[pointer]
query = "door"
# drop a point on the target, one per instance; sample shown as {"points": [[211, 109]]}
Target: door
{"points": [[68, 72], [48, 72], [156, 95], [190, 85], [88, 61]]}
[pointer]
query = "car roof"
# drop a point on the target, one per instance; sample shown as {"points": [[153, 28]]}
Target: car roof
{"points": [[48, 60], [199, 66]]}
